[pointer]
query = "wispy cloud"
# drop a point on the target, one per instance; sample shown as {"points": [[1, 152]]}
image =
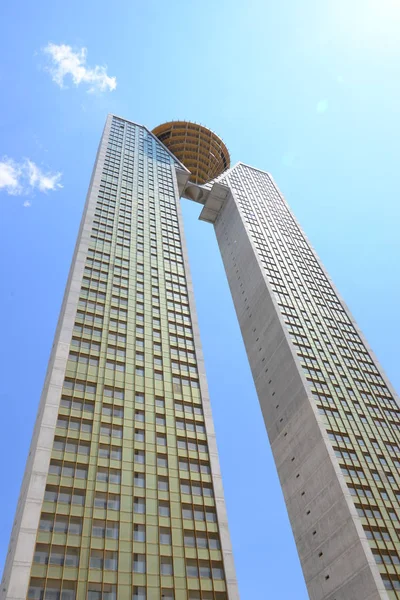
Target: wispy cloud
{"points": [[23, 178], [65, 61], [40, 180], [9, 176]]}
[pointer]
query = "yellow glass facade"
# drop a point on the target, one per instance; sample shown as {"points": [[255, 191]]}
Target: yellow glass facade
{"points": [[129, 507]]}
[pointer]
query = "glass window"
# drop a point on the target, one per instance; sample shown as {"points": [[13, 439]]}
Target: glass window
{"points": [[139, 533], [139, 479], [189, 539], [139, 593], [139, 563], [165, 536], [217, 571], [166, 566], [162, 460], [191, 569], [205, 570], [163, 509], [139, 505]]}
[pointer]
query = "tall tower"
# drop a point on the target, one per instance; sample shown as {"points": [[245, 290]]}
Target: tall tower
{"points": [[122, 496], [332, 417]]}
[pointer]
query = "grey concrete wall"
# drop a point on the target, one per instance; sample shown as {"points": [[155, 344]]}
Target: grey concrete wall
{"points": [[335, 556], [15, 581]]}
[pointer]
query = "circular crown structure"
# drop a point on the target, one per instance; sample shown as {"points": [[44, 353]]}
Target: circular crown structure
{"points": [[196, 147]]}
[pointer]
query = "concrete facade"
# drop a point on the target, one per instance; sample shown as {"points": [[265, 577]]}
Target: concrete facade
{"points": [[331, 415], [335, 556]]}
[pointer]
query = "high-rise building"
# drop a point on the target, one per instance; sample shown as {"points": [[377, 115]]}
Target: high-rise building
{"points": [[122, 495]]}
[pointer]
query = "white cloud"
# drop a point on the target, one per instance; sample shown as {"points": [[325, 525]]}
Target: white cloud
{"points": [[9, 176], [43, 181], [25, 177], [67, 62]]}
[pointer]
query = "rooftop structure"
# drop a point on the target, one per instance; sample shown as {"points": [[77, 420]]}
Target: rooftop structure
{"points": [[195, 146]]}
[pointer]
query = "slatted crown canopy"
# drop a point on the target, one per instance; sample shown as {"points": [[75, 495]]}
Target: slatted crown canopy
{"points": [[198, 148]]}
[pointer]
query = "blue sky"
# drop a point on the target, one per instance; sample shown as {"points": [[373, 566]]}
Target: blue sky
{"points": [[308, 90]]}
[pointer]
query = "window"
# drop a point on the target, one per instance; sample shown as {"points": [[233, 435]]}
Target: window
{"points": [[41, 555], [139, 563], [163, 509], [217, 571], [108, 410], [166, 566], [103, 530], [110, 561], [115, 366], [139, 415], [139, 480], [139, 457], [213, 542], [165, 536], [98, 592], [113, 452], [110, 501], [391, 584], [36, 589], [139, 593], [191, 569], [110, 476], [139, 533], [189, 539], [187, 512], [185, 487], [201, 540], [139, 505], [115, 393], [211, 516], [204, 570], [139, 435], [96, 559], [110, 431], [163, 484], [54, 591], [162, 460]]}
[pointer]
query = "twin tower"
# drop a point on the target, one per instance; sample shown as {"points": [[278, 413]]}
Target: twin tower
{"points": [[122, 496]]}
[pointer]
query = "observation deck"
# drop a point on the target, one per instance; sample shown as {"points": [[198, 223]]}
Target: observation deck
{"points": [[196, 147]]}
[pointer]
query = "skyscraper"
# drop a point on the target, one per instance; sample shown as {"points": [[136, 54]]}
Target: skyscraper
{"points": [[122, 496]]}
